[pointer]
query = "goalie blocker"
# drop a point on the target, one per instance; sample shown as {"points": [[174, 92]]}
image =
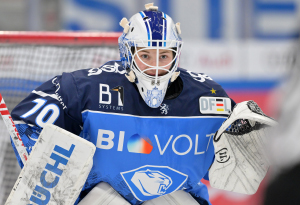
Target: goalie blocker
{"points": [[56, 170], [240, 162]]}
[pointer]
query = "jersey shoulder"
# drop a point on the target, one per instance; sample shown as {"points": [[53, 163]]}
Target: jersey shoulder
{"points": [[88, 82], [202, 83], [111, 69]]}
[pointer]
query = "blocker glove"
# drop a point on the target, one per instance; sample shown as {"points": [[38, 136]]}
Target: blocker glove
{"points": [[240, 162]]}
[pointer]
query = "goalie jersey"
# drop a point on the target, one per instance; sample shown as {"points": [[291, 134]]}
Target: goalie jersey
{"points": [[142, 152]]}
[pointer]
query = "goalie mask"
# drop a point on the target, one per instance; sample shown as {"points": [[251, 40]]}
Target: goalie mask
{"points": [[149, 49]]}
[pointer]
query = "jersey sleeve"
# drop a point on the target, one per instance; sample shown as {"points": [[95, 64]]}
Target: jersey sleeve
{"points": [[223, 93], [56, 101]]}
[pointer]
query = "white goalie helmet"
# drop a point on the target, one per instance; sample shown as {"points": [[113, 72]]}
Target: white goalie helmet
{"points": [[150, 31]]}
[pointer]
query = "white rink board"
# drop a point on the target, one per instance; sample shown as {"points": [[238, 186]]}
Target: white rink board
{"points": [[269, 60], [235, 60], [213, 58]]}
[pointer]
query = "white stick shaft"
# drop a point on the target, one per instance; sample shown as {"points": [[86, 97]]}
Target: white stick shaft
{"points": [[12, 130]]}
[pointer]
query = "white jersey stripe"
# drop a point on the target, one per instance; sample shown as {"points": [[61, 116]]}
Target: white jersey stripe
{"points": [[42, 94], [184, 117]]}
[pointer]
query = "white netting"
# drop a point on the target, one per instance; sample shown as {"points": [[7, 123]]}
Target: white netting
{"points": [[22, 69]]}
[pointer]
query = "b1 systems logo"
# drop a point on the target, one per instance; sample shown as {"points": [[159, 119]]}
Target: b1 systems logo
{"points": [[148, 182], [105, 97]]}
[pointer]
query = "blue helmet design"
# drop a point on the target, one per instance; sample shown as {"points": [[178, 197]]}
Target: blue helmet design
{"points": [[150, 30]]}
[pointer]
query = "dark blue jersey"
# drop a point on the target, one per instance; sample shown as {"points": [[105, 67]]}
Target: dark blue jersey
{"points": [[142, 152]]}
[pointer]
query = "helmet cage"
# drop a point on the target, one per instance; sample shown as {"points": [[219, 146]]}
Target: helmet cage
{"points": [[173, 64]]}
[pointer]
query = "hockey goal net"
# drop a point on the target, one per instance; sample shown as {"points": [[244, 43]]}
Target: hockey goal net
{"points": [[27, 59]]}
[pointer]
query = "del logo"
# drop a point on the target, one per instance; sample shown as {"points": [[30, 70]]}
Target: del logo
{"points": [[148, 182], [41, 194], [214, 105]]}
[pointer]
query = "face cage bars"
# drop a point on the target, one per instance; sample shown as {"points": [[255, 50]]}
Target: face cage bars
{"points": [[143, 43]]}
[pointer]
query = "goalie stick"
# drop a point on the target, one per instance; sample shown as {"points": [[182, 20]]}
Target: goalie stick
{"points": [[12, 130]]}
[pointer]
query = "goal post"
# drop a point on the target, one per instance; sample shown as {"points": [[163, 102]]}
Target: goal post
{"points": [[27, 59]]}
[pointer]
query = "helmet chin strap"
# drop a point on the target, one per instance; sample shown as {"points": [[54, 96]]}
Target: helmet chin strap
{"points": [[174, 76], [152, 97], [130, 76]]}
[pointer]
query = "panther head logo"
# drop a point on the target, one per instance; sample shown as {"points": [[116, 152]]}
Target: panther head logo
{"points": [[151, 182]]}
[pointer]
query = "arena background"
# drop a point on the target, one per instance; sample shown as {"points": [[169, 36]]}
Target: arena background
{"points": [[245, 45]]}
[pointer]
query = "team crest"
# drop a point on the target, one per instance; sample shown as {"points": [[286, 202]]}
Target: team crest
{"points": [[148, 182], [164, 108]]}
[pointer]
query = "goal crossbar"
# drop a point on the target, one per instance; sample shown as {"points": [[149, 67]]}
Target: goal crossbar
{"points": [[59, 38]]}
